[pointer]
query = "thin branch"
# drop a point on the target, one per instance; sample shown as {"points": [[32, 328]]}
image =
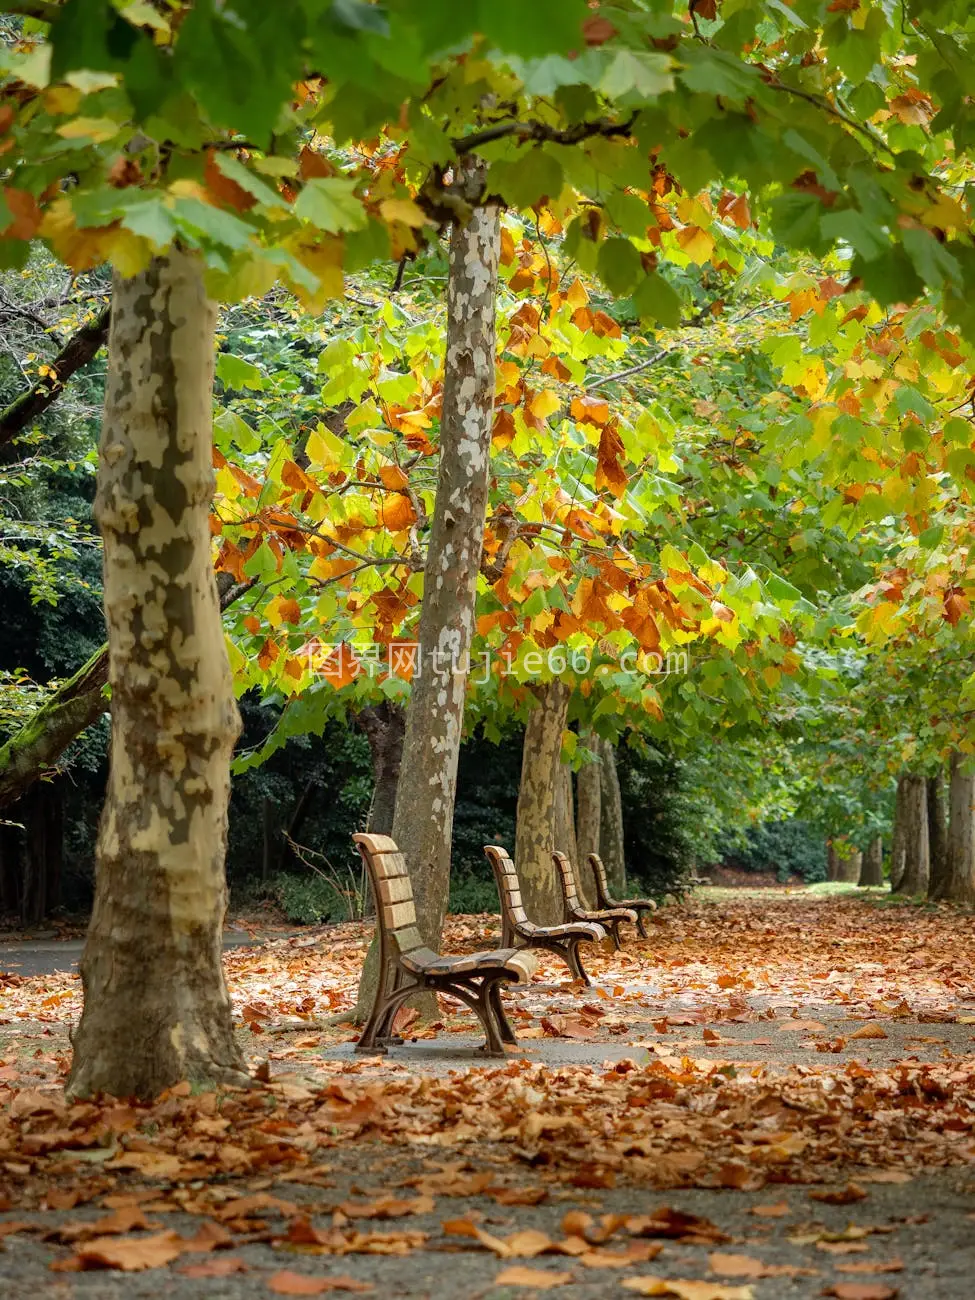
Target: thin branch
{"points": [[81, 348], [540, 132], [633, 370]]}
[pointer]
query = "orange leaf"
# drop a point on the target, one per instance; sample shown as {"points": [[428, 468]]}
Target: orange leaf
{"points": [[25, 212], [393, 477], [609, 469], [541, 1279], [288, 1283], [225, 192], [397, 513]]}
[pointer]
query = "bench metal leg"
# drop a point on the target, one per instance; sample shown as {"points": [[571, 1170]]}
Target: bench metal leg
{"points": [[573, 960], [497, 1006], [641, 925]]}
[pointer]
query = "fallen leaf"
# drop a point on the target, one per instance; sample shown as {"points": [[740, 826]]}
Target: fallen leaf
{"points": [[872, 1030], [843, 1196], [728, 1265], [861, 1291], [288, 1283], [219, 1266], [687, 1289], [128, 1254], [540, 1279], [774, 1210], [872, 1266]]}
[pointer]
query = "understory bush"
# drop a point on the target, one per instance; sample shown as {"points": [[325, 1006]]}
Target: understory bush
{"points": [[789, 848]]}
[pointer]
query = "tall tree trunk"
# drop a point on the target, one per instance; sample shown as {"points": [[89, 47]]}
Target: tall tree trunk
{"points": [[917, 860], [424, 813], [832, 862], [156, 1008], [384, 726], [961, 834], [872, 867], [538, 827], [611, 844], [898, 840], [848, 866], [565, 833], [937, 835], [588, 806]]}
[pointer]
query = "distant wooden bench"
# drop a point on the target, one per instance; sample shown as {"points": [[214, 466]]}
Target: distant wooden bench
{"points": [[638, 905], [407, 966], [610, 917], [516, 928]]}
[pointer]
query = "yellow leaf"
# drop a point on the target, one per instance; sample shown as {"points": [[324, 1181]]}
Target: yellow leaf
{"points": [[576, 295], [324, 449], [128, 253], [405, 210], [62, 99], [544, 403], [696, 243], [98, 129]]}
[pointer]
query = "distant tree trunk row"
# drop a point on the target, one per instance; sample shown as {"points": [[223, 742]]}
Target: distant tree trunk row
{"points": [[933, 842]]}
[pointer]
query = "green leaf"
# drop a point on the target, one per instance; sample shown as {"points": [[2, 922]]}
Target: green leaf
{"points": [[531, 29], [779, 589], [619, 266], [236, 430], [648, 74], [656, 300], [237, 373], [525, 182], [245, 178], [330, 203]]}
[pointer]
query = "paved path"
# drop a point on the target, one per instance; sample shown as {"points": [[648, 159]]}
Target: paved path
{"points": [[47, 956]]}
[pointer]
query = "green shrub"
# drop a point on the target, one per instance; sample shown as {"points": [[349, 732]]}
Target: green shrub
{"points": [[469, 893], [789, 848], [307, 900]]}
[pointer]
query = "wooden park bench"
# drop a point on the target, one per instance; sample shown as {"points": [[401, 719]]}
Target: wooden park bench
{"points": [[610, 917], [638, 905], [516, 929], [407, 966]]}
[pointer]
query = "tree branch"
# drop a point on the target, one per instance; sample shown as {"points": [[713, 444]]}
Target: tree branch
{"points": [[538, 131], [44, 10], [77, 352]]}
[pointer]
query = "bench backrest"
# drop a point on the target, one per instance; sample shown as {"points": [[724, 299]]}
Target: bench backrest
{"points": [[602, 884], [392, 890], [570, 889], [509, 887]]}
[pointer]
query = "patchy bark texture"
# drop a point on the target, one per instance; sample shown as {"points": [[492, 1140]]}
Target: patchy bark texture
{"points": [[917, 861], [961, 834], [156, 1007], [539, 796], [872, 867], [434, 721], [611, 845], [937, 835]]}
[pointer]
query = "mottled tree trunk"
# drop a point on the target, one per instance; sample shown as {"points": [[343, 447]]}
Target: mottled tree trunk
{"points": [[961, 833], [538, 827], [156, 1007], [611, 844], [897, 840], [937, 835], [434, 720], [917, 861], [384, 726], [872, 867]]}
